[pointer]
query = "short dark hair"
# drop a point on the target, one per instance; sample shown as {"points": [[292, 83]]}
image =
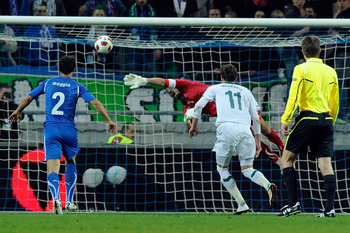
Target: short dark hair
{"points": [[311, 46], [214, 8], [66, 65], [228, 72], [309, 5]]}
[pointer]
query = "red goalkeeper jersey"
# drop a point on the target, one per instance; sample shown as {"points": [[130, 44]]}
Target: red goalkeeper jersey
{"points": [[193, 91]]}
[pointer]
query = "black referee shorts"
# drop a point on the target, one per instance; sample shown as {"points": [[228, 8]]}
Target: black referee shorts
{"points": [[314, 130]]}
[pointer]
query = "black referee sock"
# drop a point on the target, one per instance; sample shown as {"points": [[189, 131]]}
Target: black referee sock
{"points": [[329, 186], [290, 179]]}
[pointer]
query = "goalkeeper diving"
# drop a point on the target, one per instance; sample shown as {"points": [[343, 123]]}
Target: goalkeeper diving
{"points": [[189, 93]]}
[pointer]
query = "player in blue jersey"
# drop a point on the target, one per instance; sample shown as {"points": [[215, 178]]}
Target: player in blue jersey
{"points": [[60, 134]]}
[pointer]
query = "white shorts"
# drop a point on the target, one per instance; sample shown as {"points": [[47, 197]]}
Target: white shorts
{"points": [[234, 139]]}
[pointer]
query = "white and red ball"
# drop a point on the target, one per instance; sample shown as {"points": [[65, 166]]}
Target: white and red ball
{"points": [[103, 44]]}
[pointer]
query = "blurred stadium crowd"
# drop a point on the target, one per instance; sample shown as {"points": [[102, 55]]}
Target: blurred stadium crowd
{"points": [[179, 8]]}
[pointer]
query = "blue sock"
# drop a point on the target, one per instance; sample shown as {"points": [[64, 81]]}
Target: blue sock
{"points": [[54, 181], [71, 181]]}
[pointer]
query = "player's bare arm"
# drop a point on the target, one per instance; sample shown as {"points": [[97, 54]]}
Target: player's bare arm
{"points": [[265, 128], [257, 144], [103, 112], [194, 129], [16, 116], [156, 81]]}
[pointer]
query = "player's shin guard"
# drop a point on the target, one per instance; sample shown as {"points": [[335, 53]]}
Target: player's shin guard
{"points": [[54, 181], [230, 184], [257, 177], [276, 139], [71, 181], [329, 186], [290, 179]]}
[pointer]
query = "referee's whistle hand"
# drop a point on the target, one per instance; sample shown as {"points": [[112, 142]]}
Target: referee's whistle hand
{"points": [[284, 129]]}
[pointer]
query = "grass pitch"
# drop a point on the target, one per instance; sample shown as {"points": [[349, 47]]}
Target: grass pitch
{"points": [[170, 222]]}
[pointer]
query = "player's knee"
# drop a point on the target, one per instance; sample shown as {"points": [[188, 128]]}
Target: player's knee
{"points": [[224, 174], [248, 172], [70, 161]]}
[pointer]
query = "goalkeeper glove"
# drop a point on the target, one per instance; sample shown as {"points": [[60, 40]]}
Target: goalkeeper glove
{"points": [[135, 81]]}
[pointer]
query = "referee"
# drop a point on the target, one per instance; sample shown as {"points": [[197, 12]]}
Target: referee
{"points": [[315, 90]]}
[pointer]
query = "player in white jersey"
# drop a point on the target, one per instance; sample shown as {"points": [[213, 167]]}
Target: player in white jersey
{"points": [[236, 109]]}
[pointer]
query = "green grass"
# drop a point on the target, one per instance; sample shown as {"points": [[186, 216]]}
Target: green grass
{"points": [[170, 222]]}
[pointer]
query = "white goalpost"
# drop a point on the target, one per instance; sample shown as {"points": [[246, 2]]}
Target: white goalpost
{"points": [[165, 170]]}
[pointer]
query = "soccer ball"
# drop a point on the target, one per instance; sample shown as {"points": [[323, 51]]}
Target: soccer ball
{"points": [[116, 175], [103, 44]]}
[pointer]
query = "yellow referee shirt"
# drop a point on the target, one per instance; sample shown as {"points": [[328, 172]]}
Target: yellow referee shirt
{"points": [[314, 88]]}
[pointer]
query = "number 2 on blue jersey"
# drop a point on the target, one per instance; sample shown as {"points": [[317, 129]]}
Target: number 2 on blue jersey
{"points": [[61, 97]]}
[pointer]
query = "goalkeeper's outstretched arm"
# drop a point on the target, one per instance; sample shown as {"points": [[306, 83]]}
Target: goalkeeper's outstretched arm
{"points": [[156, 81]]}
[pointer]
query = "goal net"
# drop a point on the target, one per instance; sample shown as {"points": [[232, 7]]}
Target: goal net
{"points": [[163, 170]]}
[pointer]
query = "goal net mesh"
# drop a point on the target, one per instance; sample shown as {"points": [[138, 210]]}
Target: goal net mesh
{"points": [[165, 169]]}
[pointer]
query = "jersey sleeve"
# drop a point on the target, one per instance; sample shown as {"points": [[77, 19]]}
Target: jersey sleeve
{"points": [[38, 90], [182, 83], [294, 96], [85, 94], [253, 110], [209, 95], [171, 83], [334, 101]]}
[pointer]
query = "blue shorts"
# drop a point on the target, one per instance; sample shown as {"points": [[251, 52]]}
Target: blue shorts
{"points": [[60, 139]]}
